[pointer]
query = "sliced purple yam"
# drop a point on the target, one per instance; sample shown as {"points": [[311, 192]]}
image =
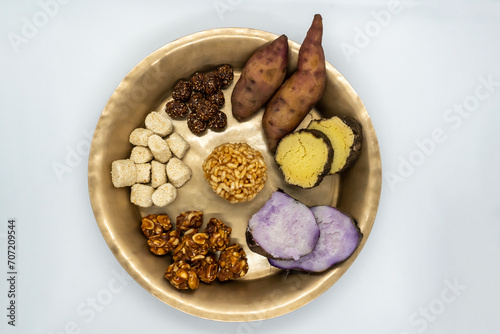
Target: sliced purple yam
{"points": [[283, 228], [339, 238]]}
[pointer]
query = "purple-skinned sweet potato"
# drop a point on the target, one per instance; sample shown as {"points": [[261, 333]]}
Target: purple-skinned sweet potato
{"points": [[339, 238], [283, 228], [300, 92], [262, 75]]}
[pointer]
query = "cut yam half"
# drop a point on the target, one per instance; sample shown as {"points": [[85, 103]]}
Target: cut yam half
{"points": [[304, 157]]}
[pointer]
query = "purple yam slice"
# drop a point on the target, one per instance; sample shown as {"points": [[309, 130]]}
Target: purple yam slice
{"points": [[283, 228], [339, 238]]}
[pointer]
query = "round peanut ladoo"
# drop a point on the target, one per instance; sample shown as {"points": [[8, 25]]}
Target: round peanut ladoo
{"points": [[207, 268], [233, 263], [235, 172], [219, 234], [155, 225], [164, 243], [182, 276], [193, 247], [161, 238], [188, 220]]}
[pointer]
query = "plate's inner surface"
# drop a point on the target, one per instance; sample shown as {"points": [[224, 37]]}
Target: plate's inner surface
{"points": [[264, 292]]}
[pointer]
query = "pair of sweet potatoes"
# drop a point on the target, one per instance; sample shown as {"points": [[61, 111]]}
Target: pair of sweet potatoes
{"points": [[294, 236], [288, 101]]}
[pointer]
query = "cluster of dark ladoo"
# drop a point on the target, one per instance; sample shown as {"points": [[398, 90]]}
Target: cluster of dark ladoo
{"points": [[199, 99]]}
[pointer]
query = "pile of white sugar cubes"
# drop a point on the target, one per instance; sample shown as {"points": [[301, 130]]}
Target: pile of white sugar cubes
{"points": [[154, 169]]}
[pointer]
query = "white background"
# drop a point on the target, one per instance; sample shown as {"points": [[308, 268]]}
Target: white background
{"points": [[432, 261]]}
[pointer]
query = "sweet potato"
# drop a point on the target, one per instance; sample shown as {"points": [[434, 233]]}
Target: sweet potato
{"points": [[283, 228], [262, 75], [300, 92]]}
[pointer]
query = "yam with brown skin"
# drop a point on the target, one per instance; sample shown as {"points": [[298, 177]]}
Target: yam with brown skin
{"points": [[300, 92], [262, 75], [345, 135]]}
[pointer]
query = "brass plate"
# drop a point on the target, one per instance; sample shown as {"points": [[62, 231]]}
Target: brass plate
{"points": [[264, 292]]}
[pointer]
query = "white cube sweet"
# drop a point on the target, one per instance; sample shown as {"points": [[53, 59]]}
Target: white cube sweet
{"points": [[178, 173], [164, 195], [141, 154], [159, 148], [140, 136], [158, 174], [123, 173], [178, 145], [143, 173], [142, 195], [159, 124]]}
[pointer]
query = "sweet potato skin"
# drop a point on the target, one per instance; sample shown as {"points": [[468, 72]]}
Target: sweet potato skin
{"points": [[300, 92], [262, 75]]}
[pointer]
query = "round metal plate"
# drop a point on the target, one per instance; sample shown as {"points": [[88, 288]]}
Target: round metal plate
{"points": [[265, 292]]}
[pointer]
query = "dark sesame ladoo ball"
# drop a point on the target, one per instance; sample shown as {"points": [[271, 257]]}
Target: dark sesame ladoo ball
{"points": [[212, 83], [206, 110], [217, 98], [197, 82], [218, 122], [194, 101], [195, 124], [176, 109], [226, 75], [182, 90]]}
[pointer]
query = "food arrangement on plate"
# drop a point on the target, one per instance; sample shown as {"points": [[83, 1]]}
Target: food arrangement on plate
{"points": [[289, 233], [235, 162]]}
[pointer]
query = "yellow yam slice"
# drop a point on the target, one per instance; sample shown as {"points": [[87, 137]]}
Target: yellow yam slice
{"points": [[304, 157]]}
